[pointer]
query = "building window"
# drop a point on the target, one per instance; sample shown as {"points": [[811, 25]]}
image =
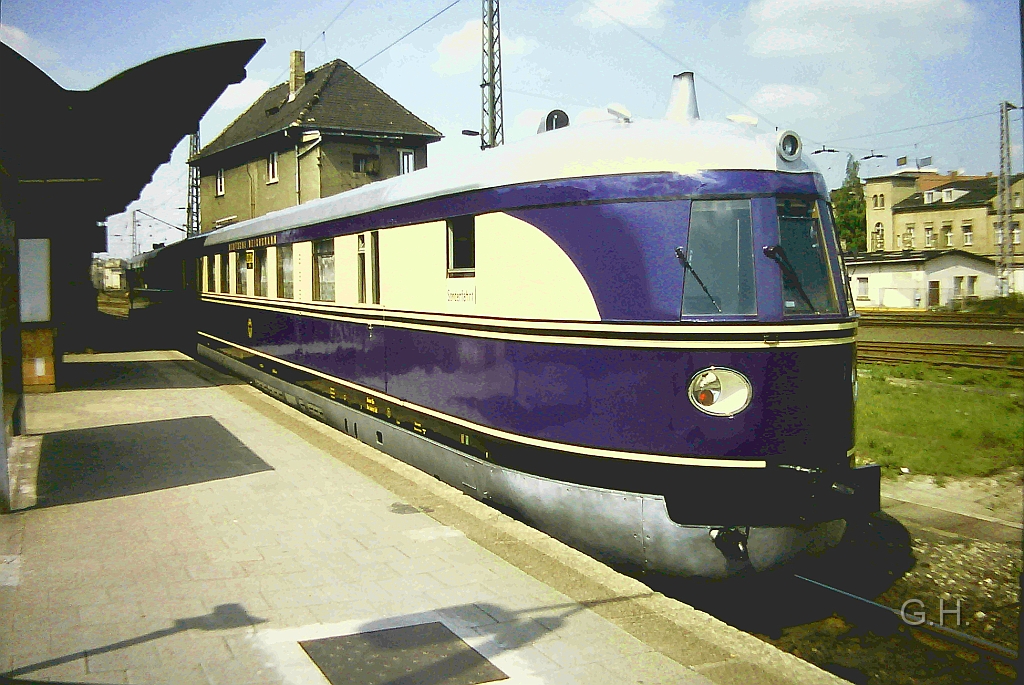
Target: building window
{"points": [[947, 195], [260, 285], [272, 168], [947, 231], [972, 285], [968, 231], [461, 246], [879, 236], [220, 182], [406, 161], [958, 287], [1015, 230], [874, 201], [375, 266], [908, 237], [999, 234], [929, 236], [225, 283], [881, 201], [241, 267], [366, 164], [323, 270], [862, 288], [1016, 200], [211, 274], [284, 272]]}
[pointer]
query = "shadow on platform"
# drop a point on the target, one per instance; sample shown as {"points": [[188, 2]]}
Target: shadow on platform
{"points": [[140, 375], [91, 464]]}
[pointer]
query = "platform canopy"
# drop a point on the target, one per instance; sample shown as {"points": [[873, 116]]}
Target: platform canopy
{"points": [[90, 153]]}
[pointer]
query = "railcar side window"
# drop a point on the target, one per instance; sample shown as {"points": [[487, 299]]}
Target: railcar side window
{"points": [[240, 271], [225, 284], [284, 272], [211, 274], [361, 268], [718, 270], [807, 286], [375, 266], [260, 286], [323, 270], [461, 246]]}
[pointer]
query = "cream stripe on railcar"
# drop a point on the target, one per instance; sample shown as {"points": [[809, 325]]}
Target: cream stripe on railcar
{"points": [[514, 437]]}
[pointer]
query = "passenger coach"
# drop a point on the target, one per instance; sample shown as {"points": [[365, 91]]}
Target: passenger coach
{"points": [[636, 334]]}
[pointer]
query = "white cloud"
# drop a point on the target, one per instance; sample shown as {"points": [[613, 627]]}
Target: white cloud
{"points": [[814, 27], [28, 47], [777, 96], [460, 52], [239, 96], [639, 13]]}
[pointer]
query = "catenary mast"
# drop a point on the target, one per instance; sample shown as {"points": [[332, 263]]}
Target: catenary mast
{"points": [[192, 207], [1004, 203], [492, 130]]}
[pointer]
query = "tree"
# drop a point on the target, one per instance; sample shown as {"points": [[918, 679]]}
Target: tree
{"points": [[848, 205]]}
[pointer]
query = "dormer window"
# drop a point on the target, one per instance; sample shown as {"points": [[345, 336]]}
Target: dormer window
{"points": [[929, 197], [947, 195]]}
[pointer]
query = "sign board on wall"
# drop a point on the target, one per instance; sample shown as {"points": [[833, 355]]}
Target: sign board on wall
{"points": [[34, 279]]}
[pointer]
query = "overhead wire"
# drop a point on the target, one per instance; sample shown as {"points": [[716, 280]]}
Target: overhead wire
{"points": [[391, 45]]}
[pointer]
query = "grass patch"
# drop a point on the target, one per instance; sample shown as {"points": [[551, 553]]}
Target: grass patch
{"points": [[937, 428]]}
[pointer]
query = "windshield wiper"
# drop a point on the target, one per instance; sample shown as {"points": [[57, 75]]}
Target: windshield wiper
{"points": [[681, 256], [778, 255]]}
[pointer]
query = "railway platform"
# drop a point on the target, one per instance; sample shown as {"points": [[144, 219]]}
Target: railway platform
{"points": [[182, 527]]}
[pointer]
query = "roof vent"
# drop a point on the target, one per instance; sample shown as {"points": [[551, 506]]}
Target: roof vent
{"points": [[682, 106], [296, 73]]}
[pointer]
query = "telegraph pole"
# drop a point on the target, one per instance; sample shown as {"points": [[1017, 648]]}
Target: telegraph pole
{"points": [[192, 207], [492, 130], [1004, 201]]}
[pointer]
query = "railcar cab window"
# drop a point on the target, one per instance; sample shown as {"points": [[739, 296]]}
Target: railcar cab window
{"points": [[260, 285], [225, 282], [718, 261], [461, 246], [284, 272], [368, 255], [241, 269], [807, 286], [323, 270]]}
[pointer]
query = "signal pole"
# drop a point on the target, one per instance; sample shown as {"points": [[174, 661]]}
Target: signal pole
{"points": [[192, 207], [1004, 201], [492, 130]]}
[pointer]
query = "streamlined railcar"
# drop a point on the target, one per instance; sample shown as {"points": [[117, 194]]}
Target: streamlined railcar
{"points": [[638, 335]]}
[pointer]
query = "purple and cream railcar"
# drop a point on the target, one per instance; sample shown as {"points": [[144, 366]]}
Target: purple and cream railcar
{"points": [[636, 334]]}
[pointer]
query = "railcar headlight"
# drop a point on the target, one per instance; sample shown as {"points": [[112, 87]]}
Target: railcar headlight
{"points": [[720, 392], [789, 146]]}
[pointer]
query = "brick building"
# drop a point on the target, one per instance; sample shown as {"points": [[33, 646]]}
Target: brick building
{"points": [[323, 132]]}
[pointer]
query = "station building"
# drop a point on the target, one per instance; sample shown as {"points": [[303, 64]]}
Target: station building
{"points": [[323, 132]]}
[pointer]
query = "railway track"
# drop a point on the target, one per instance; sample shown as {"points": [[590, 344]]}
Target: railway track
{"points": [[996, 357], [942, 320]]}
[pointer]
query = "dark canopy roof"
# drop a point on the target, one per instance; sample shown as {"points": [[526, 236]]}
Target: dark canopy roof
{"points": [[98, 148], [335, 97]]}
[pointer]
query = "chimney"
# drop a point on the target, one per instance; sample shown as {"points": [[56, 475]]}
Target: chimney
{"points": [[682, 106], [296, 73]]}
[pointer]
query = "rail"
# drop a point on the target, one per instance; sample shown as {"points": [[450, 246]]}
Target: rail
{"points": [[942, 320], [995, 357]]}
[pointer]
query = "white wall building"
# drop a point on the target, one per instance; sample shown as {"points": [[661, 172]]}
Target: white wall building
{"points": [[922, 279]]}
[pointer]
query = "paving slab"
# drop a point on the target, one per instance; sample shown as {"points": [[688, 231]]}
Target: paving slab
{"points": [[220, 529]]}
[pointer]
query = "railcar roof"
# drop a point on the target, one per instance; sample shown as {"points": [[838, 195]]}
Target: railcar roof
{"points": [[596, 149]]}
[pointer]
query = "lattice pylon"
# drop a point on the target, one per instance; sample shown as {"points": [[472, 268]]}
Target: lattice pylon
{"points": [[492, 129]]}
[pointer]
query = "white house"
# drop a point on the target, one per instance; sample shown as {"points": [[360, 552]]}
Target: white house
{"points": [[920, 279]]}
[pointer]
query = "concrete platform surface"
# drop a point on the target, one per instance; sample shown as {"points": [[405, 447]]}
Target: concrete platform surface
{"points": [[189, 529]]}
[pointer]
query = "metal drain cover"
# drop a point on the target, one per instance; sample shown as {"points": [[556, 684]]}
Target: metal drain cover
{"points": [[424, 654]]}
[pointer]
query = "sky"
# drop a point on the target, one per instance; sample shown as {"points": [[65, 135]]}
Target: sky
{"points": [[863, 77]]}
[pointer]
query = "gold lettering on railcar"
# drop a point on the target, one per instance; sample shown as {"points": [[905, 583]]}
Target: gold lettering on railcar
{"points": [[252, 243]]}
